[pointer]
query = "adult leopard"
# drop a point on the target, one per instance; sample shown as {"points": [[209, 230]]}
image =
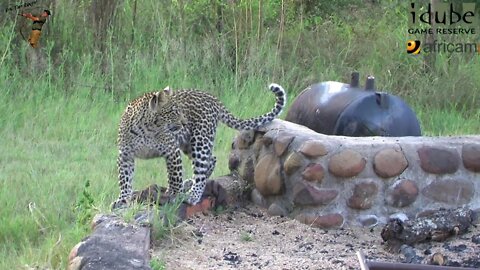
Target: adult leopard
{"points": [[166, 123]]}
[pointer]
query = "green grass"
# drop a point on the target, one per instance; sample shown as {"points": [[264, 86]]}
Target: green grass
{"points": [[157, 264], [52, 146], [246, 237], [50, 151], [447, 122]]}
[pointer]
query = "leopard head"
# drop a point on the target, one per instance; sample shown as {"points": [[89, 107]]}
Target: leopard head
{"points": [[168, 115]]}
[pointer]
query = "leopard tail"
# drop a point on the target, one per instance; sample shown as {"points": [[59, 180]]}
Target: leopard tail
{"points": [[254, 123]]}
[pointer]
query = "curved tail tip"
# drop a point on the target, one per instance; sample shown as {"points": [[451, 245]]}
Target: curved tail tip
{"points": [[275, 87]]}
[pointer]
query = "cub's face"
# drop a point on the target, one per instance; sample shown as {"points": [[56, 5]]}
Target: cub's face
{"points": [[168, 116]]}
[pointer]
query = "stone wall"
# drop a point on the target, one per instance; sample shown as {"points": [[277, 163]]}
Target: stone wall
{"points": [[331, 181]]}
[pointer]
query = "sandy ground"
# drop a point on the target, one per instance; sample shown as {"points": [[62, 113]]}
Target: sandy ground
{"points": [[248, 238]]}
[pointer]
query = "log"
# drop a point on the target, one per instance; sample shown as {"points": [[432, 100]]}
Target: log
{"points": [[152, 194], [228, 190], [225, 191], [438, 226]]}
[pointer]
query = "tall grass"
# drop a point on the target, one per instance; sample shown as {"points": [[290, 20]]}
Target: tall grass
{"points": [[60, 104]]}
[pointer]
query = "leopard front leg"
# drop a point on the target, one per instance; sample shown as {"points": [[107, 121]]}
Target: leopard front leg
{"points": [[199, 183], [187, 185], [211, 166], [175, 172], [203, 165], [126, 169]]}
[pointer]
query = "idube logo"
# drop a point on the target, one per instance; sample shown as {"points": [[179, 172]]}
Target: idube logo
{"points": [[447, 19], [441, 24]]}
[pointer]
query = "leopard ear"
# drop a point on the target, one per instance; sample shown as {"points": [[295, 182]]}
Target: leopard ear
{"points": [[168, 91], [153, 104], [164, 96], [158, 99]]}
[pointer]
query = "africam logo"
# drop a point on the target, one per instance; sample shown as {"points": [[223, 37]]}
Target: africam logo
{"points": [[38, 18], [439, 22], [414, 47]]}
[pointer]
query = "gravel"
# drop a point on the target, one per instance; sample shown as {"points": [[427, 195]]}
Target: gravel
{"points": [[247, 238]]}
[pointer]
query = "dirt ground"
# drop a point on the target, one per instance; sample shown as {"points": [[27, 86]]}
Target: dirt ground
{"points": [[248, 238]]}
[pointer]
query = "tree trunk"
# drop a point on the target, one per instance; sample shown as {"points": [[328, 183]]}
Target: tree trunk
{"points": [[437, 227]]}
